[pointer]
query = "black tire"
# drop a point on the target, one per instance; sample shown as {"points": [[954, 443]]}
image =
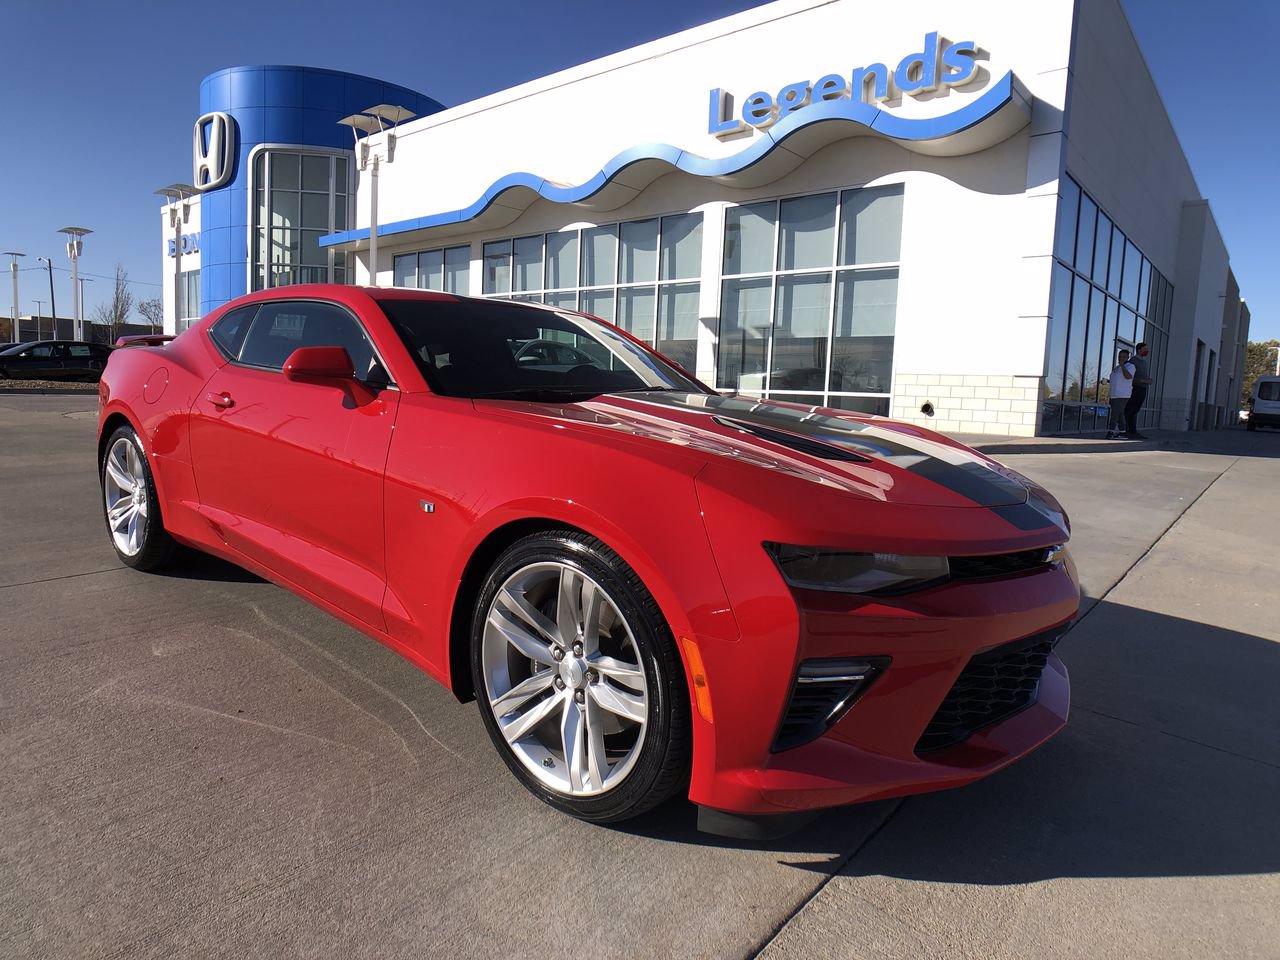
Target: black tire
{"points": [[157, 549], [661, 767]]}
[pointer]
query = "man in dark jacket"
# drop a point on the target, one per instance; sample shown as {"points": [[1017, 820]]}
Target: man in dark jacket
{"points": [[1141, 382]]}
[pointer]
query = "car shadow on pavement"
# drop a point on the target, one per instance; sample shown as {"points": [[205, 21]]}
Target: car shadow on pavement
{"points": [[1169, 766], [1228, 442], [196, 565]]}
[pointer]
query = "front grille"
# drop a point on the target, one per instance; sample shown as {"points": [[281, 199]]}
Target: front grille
{"points": [[998, 565], [822, 693], [994, 685]]}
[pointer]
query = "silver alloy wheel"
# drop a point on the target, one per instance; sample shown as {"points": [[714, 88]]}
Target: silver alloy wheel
{"points": [[124, 488], [564, 679]]}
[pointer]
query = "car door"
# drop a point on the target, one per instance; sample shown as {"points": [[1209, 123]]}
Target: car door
{"points": [[289, 473], [81, 361], [34, 363], [59, 360]]}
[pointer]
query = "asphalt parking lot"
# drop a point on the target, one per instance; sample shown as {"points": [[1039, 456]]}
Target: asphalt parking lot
{"points": [[201, 765]]}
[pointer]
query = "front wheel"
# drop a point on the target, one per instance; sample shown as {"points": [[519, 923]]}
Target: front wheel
{"points": [[130, 504], [579, 682]]}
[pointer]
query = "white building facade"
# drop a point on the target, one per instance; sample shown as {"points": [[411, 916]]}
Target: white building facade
{"points": [[953, 214]]}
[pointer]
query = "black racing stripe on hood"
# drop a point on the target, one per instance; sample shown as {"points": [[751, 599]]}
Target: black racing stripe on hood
{"points": [[972, 480], [1023, 516], [793, 441]]}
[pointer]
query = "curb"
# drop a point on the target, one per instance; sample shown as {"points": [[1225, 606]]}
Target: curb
{"points": [[40, 392]]}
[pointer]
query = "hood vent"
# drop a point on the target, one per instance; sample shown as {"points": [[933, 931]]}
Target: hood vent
{"points": [[814, 448]]}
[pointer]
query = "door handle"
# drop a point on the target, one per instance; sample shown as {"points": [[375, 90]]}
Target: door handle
{"points": [[222, 400]]}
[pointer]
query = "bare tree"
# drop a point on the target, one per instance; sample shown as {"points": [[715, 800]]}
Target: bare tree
{"points": [[152, 311], [114, 314]]}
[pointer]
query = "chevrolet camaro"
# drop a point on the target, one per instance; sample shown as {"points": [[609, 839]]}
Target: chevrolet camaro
{"points": [[648, 587]]}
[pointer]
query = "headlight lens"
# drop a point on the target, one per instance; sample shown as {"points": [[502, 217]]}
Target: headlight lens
{"points": [[876, 574]]}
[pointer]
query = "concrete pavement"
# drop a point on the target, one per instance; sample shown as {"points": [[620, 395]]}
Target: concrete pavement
{"points": [[202, 765]]}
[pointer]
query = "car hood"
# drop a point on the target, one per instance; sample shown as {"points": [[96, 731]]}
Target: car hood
{"points": [[868, 456]]}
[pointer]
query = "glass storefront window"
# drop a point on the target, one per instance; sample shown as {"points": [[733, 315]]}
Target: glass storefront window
{"points": [[1106, 296], [812, 326], [627, 272], [188, 299], [862, 342], [527, 263], [639, 252], [298, 198], [599, 257], [748, 238], [871, 225], [807, 232]]}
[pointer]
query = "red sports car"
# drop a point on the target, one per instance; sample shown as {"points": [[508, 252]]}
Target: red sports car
{"points": [[649, 587]]}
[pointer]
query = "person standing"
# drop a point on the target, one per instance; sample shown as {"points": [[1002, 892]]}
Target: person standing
{"points": [[1141, 382], [1121, 391]]}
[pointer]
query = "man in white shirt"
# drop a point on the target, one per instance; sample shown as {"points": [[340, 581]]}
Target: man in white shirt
{"points": [[1121, 391]]}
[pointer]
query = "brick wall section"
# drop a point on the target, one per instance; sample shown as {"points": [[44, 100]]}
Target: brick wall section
{"points": [[968, 403]]}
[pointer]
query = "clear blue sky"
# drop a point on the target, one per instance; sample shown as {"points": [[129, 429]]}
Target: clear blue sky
{"points": [[97, 101]]}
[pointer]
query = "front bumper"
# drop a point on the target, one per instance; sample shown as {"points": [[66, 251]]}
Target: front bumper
{"points": [[874, 750], [1264, 419]]}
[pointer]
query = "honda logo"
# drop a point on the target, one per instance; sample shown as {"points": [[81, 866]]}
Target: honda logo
{"points": [[214, 143]]}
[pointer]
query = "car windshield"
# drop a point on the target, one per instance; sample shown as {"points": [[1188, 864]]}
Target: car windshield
{"points": [[496, 349], [16, 349]]}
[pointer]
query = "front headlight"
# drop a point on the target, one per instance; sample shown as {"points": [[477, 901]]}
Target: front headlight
{"points": [[876, 574]]}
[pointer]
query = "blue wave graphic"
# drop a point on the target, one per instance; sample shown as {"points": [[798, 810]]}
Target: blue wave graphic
{"points": [[909, 129]]}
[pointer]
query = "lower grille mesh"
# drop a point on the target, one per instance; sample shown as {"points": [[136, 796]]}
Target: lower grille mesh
{"points": [[994, 685]]}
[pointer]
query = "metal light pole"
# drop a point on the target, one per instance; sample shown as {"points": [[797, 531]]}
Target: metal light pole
{"points": [[39, 314], [178, 204], [374, 120], [75, 246], [53, 303], [13, 269], [83, 281]]}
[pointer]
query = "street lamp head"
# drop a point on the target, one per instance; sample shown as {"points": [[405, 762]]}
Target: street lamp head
{"points": [[177, 191], [76, 231], [12, 253], [390, 112], [361, 122]]}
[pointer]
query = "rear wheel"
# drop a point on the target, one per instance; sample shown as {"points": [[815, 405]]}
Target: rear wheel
{"points": [[130, 504], [579, 682]]}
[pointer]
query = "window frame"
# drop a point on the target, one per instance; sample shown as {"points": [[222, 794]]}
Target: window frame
{"points": [[656, 287], [834, 272], [258, 272], [417, 256], [259, 304], [1151, 319]]}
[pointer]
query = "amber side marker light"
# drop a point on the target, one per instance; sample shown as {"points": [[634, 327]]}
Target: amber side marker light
{"points": [[701, 692]]}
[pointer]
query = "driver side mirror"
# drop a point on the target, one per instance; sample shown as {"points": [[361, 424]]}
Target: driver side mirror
{"points": [[320, 365]]}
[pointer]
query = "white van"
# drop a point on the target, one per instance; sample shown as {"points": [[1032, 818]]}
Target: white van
{"points": [[1264, 405]]}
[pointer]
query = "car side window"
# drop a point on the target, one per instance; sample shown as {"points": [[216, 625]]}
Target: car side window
{"points": [[282, 326], [230, 330], [42, 351], [59, 351], [80, 350]]}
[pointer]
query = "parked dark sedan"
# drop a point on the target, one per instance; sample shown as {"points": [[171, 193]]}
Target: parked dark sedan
{"points": [[54, 360]]}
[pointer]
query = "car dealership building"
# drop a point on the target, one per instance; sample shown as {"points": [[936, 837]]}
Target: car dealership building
{"points": [[951, 213]]}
